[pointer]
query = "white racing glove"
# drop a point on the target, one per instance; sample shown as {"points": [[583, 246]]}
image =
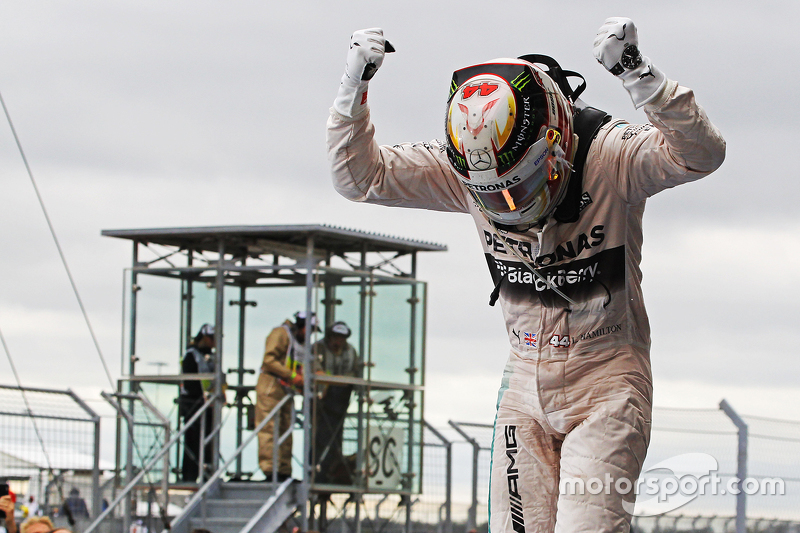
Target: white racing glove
{"points": [[616, 47], [367, 48]]}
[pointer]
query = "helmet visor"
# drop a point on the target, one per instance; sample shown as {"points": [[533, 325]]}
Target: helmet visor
{"points": [[518, 198]]}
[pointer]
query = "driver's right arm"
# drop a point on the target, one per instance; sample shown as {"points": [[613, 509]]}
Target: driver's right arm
{"points": [[406, 175]]}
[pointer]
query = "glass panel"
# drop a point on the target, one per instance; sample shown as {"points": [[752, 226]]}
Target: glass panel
{"points": [[149, 433], [158, 312], [273, 306], [392, 441], [391, 333], [204, 303], [387, 433], [349, 311]]}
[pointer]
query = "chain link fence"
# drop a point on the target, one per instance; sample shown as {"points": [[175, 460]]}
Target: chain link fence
{"points": [[50, 453]]}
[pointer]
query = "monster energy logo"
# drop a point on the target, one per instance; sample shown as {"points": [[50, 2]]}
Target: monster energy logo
{"points": [[460, 161], [506, 158], [453, 87], [521, 81]]}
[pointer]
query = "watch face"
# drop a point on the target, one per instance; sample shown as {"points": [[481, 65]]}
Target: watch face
{"points": [[631, 57]]}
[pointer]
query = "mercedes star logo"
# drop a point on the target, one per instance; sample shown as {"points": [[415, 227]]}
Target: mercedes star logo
{"points": [[480, 159]]}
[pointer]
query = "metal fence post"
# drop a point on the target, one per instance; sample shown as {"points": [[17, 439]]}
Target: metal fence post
{"points": [[95, 450], [472, 519], [308, 372], [219, 377], [96, 495], [448, 445], [741, 465]]}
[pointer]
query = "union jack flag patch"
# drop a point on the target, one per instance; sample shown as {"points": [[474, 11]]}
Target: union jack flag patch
{"points": [[530, 339]]}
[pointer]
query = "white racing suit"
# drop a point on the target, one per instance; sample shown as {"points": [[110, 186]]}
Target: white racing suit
{"points": [[576, 394]]}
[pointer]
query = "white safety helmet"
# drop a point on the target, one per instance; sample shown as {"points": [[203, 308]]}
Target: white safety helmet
{"points": [[510, 139], [300, 320], [339, 328]]}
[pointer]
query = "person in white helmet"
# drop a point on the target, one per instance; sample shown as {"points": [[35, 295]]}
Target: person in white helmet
{"points": [[281, 374], [333, 356], [557, 191]]}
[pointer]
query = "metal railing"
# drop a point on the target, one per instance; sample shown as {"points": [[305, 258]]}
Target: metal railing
{"points": [[199, 497], [112, 399], [146, 468]]}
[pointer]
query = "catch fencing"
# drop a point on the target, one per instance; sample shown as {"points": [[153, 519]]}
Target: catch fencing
{"points": [[680, 437], [49, 447], [50, 451]]}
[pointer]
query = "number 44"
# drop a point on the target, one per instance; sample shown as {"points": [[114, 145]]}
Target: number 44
{"points": [[560, 341]]}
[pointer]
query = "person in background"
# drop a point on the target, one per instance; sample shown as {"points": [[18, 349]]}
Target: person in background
{"points": [[196, 360], [32, 506], [7, 506], [37, 524], [281, 370], [77, 505], [333, 356]]}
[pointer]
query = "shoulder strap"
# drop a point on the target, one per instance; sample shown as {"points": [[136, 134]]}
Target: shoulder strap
{"points": [[558, 75], [586, 123]]}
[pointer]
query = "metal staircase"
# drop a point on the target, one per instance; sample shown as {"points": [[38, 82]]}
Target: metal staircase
{"points": [[240, 507], [218, 506]]}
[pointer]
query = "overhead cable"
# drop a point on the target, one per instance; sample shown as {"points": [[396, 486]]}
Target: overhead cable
{"points": [[58, 245]]}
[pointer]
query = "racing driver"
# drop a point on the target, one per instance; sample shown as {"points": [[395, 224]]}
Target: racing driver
{"points": [[557, 191]]}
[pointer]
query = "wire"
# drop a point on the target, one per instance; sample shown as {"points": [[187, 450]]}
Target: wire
{"points": [[695, 431], [689, 409], [58, 245], [767, 419]]}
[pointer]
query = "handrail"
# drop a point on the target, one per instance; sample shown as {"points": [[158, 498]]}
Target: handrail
{"points": [[201, 493], [165, 467], [132, 483]]}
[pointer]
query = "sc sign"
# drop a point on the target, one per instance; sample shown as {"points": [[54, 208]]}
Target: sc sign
{"points": [[384, 457]]}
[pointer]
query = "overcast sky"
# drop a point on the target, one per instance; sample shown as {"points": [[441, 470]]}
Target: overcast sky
{"points": [[138, 114]]}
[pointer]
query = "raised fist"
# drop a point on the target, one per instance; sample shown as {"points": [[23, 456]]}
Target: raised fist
{"points": [[367, 48], [616, 45]]}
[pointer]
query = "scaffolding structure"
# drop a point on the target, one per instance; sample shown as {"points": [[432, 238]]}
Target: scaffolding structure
{"points": [[244, 280]]}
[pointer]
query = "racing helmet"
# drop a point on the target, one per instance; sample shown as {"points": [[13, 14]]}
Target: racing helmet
{"points": [[510, 139]]}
